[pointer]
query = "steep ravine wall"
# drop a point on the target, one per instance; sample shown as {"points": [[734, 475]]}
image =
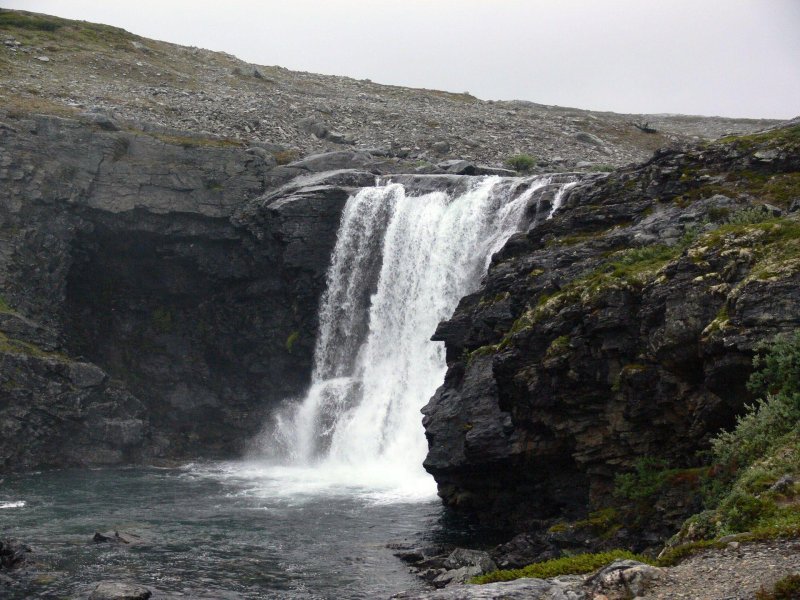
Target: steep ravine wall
{"points": [[156, 299], [622, 328]]}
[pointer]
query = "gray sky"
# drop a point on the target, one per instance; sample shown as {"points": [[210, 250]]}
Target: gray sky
{"points": [[738, 58]]}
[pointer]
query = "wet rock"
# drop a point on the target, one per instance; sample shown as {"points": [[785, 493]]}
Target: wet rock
{"points": [[462, 557], [525, 549], [13, 554], [487, 170], [115, 537], [112, 590]]}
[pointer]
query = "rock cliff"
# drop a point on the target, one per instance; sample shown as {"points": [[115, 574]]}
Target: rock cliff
{"points": [[622, 328], [159, 296]]}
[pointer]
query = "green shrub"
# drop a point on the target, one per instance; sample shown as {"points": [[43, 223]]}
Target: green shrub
{"points": [[769, 419], [521, 162], [739, 511], [566, 565], [648, 479], [749, 216], [778, 367], [787, 588]]}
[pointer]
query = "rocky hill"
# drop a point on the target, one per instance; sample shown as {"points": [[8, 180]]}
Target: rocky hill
{"points": [[66, 67]]}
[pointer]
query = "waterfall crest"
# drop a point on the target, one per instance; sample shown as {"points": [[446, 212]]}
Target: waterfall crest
{"points": [[400, 266]]}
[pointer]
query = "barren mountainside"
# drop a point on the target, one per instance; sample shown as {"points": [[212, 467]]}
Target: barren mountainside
{"points": [[66, 67]]}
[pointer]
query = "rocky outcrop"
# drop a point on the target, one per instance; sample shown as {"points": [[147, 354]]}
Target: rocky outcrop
{"points": [[622, 328], [159, 295]]}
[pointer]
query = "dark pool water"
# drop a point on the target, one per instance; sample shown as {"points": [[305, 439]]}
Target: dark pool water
{"points": [[216, 531]]}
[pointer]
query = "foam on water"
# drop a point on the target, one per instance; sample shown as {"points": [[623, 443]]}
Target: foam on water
{"points": [[400, 266], [14, 504]]}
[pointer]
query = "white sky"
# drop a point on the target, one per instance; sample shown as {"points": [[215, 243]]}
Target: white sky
{"points": [[738, 58]]}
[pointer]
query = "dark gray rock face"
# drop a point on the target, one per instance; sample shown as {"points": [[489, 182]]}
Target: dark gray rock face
{"points": [[624, 327], [158, 296]]}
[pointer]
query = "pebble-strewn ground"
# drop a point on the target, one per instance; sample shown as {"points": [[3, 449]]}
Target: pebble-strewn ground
{"points": [[731, 574], [80, 66]]}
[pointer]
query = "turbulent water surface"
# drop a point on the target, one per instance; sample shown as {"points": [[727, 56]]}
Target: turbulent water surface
{"points": [[215, 531]]}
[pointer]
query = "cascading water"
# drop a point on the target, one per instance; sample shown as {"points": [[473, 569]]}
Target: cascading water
{"points": [[400, 265]]}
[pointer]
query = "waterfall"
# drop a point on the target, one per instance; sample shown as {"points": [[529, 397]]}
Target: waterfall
{"points": [[400, 265]]}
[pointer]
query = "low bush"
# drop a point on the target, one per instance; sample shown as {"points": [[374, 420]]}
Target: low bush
{"points": [[521, 162], [787, 588]]}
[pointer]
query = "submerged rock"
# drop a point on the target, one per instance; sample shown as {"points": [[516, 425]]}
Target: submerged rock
{"points": [[112, 590], [13, 554]]}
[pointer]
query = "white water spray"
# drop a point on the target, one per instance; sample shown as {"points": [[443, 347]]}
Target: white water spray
{"points": [[400, 265]]}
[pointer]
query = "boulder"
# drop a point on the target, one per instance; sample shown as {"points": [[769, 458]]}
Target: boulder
{"points": [[314, 127], [625, 579], [588, 138], [457, 167]]}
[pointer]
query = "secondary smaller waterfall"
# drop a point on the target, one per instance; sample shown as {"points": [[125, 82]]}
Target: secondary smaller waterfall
{"points": [[400, 265]]}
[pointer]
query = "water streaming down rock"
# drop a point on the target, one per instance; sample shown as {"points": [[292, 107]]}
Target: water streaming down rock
{"points": [[400, 265]]}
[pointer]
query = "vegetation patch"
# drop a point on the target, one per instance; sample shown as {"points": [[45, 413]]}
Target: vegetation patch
{"points": [[787, 138], [284, 157], [651, 477], [14, 346], [752, 486], [774, 243], [17, 20], [521, 162], [558, 347], [603, 523], [291, 341], [162, 320], [187, 141], [567, 565], [787, 588]]}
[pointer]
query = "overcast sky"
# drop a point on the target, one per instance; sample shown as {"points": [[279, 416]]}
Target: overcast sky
{"points": [[738, 58]]}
